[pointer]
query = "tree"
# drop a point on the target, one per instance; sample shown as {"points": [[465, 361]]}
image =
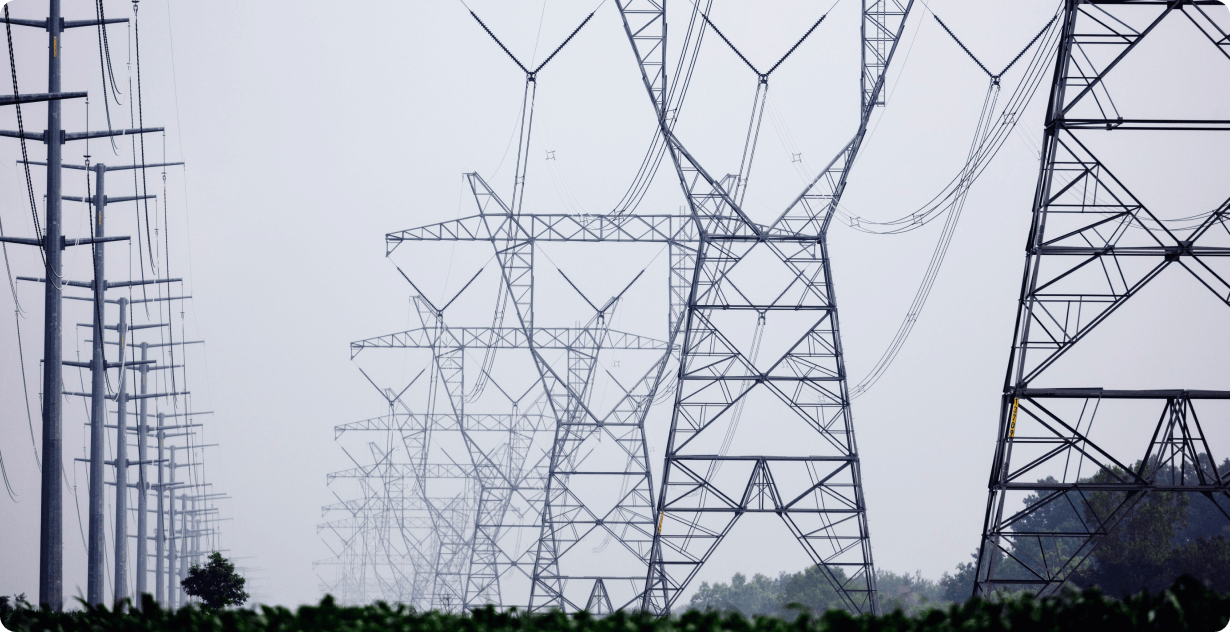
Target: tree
{"points": [[909, 593], [812, 589], [759, 596], [959, 586], [1163, 535], [217, 584]]}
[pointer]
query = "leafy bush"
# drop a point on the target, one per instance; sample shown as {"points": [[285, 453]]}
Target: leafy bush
{"points": [[1187, 605]]}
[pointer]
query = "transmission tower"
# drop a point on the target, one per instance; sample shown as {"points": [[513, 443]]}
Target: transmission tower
{"points": [[1074, 454], [709, 480], [712, 475], [511, 454]]}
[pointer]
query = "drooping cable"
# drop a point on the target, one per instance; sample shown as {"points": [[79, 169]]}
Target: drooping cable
{"points": [[937, 257], [944, 200], [106, 44], [136, 27], [26, 391], [104, 65], [25, 161], [672, 102], [21, 133], [136, 189], [987, 128], [8, 487]]}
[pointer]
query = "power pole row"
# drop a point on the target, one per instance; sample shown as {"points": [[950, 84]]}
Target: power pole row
{"points": [[170, 546]]}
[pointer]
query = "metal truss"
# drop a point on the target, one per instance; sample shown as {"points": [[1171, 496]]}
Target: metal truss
{"points": [[1093, 246], [606, 539], [712, 477], [468, 554]]}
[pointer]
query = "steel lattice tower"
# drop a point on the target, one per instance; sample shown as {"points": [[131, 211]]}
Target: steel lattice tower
{"points": [[1060, 482], [669, 534], [710, 480]]}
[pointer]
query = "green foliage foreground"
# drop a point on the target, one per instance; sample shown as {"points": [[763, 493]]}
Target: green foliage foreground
{"points": [[1187, 605]]}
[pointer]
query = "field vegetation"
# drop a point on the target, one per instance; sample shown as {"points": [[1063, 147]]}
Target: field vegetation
{"points": [[1187, 605]]}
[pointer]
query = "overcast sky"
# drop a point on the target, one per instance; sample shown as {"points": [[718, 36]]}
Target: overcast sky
{"points": [[312, 129]]}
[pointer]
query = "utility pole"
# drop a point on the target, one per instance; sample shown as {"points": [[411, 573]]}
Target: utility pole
{"points": [[163, 555], [51, 538], [160, 537], [142, 483], [51, 549], [121, 466], [98, 384], [51, 533], [98, 399], [180, 597], [171, 584], [143, 369]]}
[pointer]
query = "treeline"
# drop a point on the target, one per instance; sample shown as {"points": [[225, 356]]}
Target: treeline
{"points": [[787, 594], [1165, 535], [1186, 606]]}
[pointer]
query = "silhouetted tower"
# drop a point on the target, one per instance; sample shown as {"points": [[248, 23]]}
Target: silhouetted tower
{"points": [[1076, 451]]}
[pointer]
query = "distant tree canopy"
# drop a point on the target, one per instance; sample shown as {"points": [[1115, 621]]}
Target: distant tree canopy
{"points": [[216, 584], [811, 589], [1163, 536], [759, 596]]}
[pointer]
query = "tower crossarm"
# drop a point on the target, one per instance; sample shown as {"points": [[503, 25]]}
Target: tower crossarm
{"points": [[554, 227], [398, 471], [504, 338], [474, 422]]}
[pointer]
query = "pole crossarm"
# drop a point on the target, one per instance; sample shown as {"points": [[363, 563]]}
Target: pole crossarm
{"points": [[67, 136], [64, 24], [9, 99], [64, 243], [104, 167], [108, 199], [109, 284]]}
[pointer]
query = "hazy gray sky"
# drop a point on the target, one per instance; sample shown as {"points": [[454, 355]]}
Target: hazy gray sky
{"points": [[312, 129]]}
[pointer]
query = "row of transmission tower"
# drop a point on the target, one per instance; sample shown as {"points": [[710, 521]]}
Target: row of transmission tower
{"points": [[546, 497], [151, 512], [514, 468]]}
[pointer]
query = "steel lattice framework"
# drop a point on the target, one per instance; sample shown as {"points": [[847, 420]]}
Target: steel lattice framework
{"points": [[1093, 246], [662, 534]]}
